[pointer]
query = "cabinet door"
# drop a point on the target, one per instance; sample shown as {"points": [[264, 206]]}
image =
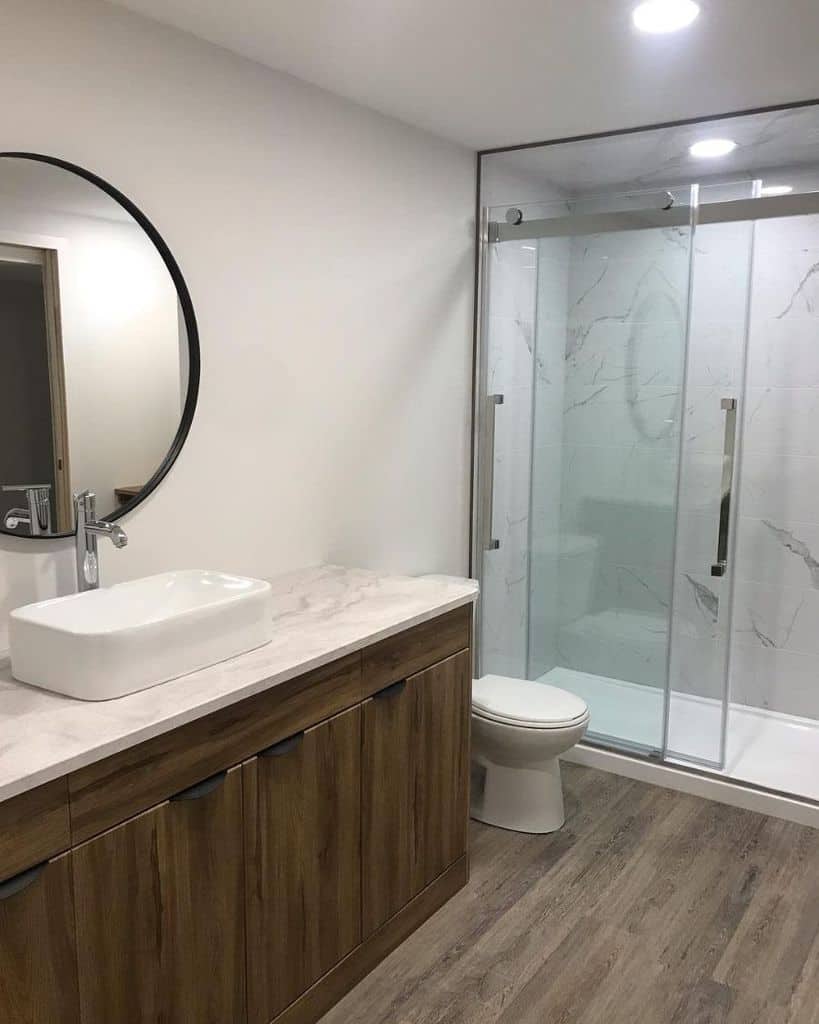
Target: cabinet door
{"points": [[415, 773], [160, 912], [303, 856], [38, 967]]}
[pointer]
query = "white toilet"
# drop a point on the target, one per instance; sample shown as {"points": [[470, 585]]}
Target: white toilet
{"points": [[519, 729]]}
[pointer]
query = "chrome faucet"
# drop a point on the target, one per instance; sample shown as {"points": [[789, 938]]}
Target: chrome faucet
{"points": [[38, 514], [88, 529]]}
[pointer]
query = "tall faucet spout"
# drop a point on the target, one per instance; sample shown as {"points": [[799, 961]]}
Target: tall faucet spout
{"points": [[89, 528], [118, 536]]}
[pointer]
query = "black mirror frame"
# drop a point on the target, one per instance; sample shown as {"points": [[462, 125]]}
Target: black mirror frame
{"points": [[194, 357]]}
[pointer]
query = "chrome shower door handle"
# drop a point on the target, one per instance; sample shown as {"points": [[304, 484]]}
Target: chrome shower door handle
{"points": [[729, 406], [490, 543]]}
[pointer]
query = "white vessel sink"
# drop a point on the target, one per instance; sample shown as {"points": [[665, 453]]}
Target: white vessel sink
{"points": [[109, 642]]}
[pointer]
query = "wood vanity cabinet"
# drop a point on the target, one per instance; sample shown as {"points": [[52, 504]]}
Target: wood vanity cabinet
{"points": [[303, 857], [38, 973], [251, 866], [414, 785], [160, 929]]}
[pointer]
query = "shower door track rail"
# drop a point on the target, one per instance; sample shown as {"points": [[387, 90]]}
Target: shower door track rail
{"points": [[652, 760], [726, 212]]}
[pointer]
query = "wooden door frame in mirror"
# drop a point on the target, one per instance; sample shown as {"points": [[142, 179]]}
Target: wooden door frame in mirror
{"points": [[186, 305]]}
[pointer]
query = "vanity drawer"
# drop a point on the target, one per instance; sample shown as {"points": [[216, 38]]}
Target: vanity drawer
{"points": [[418, 648], [34, 827], [107, 793]]}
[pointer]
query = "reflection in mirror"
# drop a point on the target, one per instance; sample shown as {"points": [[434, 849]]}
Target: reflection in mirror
{"points": [[95, 351]]}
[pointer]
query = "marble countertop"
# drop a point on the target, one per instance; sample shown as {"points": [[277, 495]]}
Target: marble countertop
{"points": [[321, 614]]}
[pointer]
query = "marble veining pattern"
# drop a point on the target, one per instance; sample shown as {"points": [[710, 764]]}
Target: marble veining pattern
{"points": [[801, 294], [706, 600], [798, 548], [321, 614]]}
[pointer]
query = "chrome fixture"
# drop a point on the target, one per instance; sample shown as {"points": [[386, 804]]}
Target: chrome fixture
{"points": [[38, 514], [490, 542], [514, 215], [726, 211], [88, 529], [729, 407]]}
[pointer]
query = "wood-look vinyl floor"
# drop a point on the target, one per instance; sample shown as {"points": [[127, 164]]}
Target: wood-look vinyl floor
{"points": [[649, 906]]}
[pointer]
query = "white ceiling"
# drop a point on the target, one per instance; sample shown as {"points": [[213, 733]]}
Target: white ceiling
{"points": [[498, 72]]}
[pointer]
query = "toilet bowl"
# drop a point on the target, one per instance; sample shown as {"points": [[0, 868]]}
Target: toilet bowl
{"points": [[519, 729]]}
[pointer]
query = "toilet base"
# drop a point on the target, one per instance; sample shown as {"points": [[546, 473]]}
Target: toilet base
{"points": [[520, 799]]}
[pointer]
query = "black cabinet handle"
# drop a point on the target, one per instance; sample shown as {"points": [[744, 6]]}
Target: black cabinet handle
{"points": [[284, 747], [390, 691], [22, 881], [201, 788]]}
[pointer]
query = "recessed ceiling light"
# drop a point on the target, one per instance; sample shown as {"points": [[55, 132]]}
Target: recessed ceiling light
{"points": [[776, 190], [712, 147], [658, 16]]}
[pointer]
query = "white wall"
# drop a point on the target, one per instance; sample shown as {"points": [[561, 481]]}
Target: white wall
{"points": [[328, 251]]}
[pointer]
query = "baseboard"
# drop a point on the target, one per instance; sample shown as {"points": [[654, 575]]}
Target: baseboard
{"points": [[696, 783], [327, 991]]}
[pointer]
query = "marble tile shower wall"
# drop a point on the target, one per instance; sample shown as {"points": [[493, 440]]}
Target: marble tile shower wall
{"points": [[510, 334], [627, 299], [776, 639]]}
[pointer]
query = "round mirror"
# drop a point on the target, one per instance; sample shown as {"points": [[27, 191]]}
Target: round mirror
{"points": [[99, 353]]}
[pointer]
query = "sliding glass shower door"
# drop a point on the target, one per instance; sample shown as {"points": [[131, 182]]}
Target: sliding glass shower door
{"points": [[645, 523], [583, 416], [709, 477]]}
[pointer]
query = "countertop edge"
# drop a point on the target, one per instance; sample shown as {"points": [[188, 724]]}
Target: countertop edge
{"points": [[60, 769]]}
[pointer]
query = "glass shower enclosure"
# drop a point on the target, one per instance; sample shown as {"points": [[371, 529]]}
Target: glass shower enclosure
{"points": [[614, 334]]}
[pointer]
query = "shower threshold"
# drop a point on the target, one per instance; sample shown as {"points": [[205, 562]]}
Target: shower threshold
{"points": [[766, 749]]}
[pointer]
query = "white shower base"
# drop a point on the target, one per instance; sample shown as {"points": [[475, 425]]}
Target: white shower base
{"points": [[764, 748]]}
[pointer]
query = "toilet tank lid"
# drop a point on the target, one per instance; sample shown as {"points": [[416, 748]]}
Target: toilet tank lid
{"points": [[524, 702]]}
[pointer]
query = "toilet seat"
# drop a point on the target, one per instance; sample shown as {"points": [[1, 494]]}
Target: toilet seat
{"points": [[525, 704]]}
